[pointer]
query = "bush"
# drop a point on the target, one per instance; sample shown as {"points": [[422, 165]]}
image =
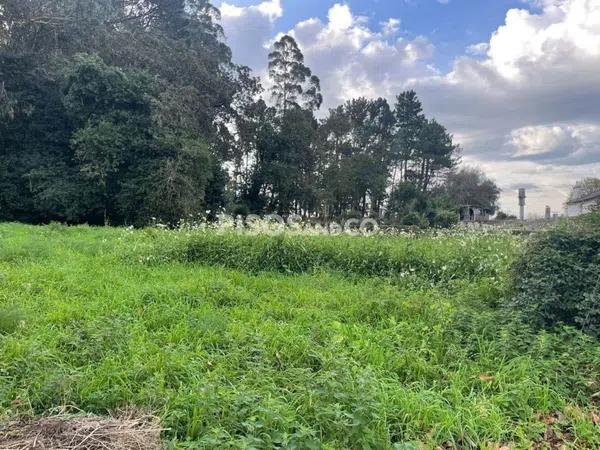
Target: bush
{"points": [[415, 219], [445, 219], [557, 279], [240, 209]]}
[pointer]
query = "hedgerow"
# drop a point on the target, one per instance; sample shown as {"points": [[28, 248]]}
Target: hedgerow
{"points": [[556, 280]]}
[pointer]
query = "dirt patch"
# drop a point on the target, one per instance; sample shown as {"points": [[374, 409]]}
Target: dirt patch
{"points": [[126, 431]]}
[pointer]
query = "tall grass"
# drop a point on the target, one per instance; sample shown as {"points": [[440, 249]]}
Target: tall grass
{"points": [[435, 258], [255, 353]]}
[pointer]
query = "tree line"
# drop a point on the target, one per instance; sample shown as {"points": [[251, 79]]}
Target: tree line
{"points": [[126, 111]]}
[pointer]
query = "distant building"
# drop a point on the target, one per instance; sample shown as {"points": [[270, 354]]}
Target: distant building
{"points": [[469, 213], [580, 202]]}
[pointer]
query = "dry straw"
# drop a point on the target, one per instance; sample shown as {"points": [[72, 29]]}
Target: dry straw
{"points": [[129, 430]]}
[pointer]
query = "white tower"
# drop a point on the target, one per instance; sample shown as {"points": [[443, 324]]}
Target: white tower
{"points": [[522, 198]]}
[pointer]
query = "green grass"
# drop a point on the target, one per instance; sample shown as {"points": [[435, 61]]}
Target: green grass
{"points": [[439, 258], [291, 342]]}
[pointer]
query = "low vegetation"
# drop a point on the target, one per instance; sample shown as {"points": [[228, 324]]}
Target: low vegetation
{"points": [[238, 341], [438, 257], [558, 277]]}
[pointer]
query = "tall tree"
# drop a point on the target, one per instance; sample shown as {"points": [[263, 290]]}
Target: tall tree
{"points": [[132, 109], [435, 153], [39, 177], [139, 146], [410, 122], [470, 186], [354, 145], [294, 85], [238, 133], [107, 139], [284, 176]]}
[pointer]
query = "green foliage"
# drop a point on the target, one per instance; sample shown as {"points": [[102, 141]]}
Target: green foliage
{"points": [[237, 359], [10, 318], [415, 219], [408, 200], [132, 145], [354, 147], [118, 112], [110, 110], [431, 259], [95, 91], [288, 162], [470, 187], [294, 85], [38, 180], [557, 279], [445, 219], [503, 216]]}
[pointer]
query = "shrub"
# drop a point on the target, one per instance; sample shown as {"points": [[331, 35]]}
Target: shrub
{"points": [[240, 209], [415, 219], [557, 278], [445, 219]]}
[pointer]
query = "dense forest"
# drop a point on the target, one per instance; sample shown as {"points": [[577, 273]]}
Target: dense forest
{"points": [[122, 111]]}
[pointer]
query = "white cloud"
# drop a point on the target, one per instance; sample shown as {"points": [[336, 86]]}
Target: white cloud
{"points": [[567, 29], [540, 140], [570, 144], [271, 9], [249, 30], [530, 105], [340, 17], [478, 49], [390, 27], [354, 60]]}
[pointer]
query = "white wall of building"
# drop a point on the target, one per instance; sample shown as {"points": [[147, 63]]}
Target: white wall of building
{"points": [[577, 209]]}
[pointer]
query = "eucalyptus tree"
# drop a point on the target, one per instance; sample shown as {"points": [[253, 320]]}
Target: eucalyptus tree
{"points": [[285, 174], [294, 85], [436, 154]]}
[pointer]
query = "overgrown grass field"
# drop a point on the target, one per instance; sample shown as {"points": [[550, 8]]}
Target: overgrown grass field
{"points": [[295, 342]]}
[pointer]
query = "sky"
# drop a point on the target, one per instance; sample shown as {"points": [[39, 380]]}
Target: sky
{"points": [[517, 82]]}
